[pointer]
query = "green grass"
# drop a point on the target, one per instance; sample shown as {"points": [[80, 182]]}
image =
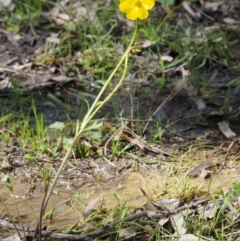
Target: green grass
{"points": [[221, 226]]}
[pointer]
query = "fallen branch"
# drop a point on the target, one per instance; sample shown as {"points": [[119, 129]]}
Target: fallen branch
{"points": [[104, 229]]}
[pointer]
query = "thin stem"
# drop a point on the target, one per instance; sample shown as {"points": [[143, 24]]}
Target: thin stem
{"points": [[90, 114], [64, 161], [115, 89]]}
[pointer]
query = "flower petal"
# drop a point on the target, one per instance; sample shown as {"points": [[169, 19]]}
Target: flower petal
{"points": [[136, 8], [137, 13], [126, 6], [148, 4]]}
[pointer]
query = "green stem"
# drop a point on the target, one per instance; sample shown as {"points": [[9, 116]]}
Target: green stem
{"points": [[92, 111], [64, 161]]}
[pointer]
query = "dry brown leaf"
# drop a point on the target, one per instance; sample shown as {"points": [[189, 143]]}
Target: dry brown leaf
{"points": [[225, 129], [127, 233], [181, 86], [178, 223], [150, 214], [61, 19], [14, 237], [149, 207], [5, 83], [230, 21], [82, 13], [187, 7], [167, 58], [213, 5], [23, 66], [7, 60], [210, 211], [190, 237], [163, 221], [7, 4], [204, 174], [167, 204], [200, 104], [88, 209], [53, 40], [148, 43], [59, 78], [7, 69], [54, 12]]}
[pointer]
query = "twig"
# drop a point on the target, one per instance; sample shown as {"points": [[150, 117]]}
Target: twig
{"points": [[106, 228]]}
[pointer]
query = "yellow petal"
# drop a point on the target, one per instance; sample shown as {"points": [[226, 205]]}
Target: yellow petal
{"points": [[137, 13], [126, 6], [148, 4], [136, 8]]}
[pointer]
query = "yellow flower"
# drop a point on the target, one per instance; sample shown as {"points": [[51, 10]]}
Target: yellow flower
{"points": [[136, 8]]}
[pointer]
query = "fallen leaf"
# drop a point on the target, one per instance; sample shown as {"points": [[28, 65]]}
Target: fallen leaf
{"points": [[200, 104], [204, 174], [213, 5], [167, 58], [148, 43], [88, 209], [210, 211], [225, 129], [230, 21], [163, 221], [59, 78], [190, 237], [167, 204], [5, 83], [185, 4], [127, 233], [178, 223], [14, 237]]}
